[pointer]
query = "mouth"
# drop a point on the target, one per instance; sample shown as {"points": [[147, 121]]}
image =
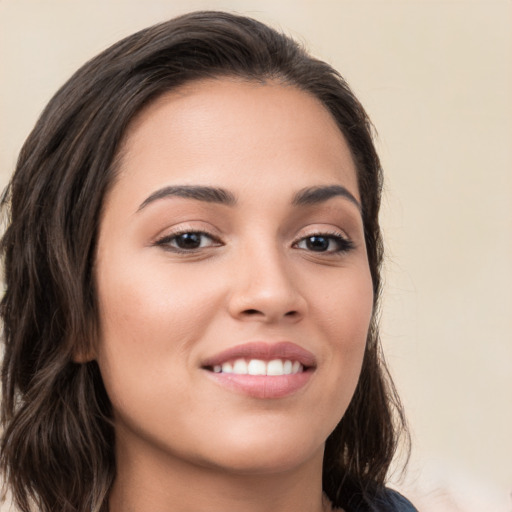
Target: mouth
{"points": [[262, 370], [275, 367]]}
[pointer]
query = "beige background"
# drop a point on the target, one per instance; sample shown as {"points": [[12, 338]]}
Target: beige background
{"points": [[436, 77]]}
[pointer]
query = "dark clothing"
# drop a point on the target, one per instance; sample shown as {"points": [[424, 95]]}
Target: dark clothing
{"points": [[397, 503], [387, 500]]}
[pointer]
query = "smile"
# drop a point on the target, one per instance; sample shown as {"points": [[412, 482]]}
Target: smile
{"points": [[259, 367], [262, 370]]}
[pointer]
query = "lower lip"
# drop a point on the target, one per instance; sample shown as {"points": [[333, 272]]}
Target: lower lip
{"points": [[263, 386]]}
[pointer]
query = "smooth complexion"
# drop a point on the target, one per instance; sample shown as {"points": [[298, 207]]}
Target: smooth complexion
{"points": [[233, 232]]}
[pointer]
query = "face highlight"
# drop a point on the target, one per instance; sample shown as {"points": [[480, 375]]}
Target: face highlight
{"points": [[234, 289]]}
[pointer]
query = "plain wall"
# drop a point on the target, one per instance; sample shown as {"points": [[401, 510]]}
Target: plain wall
{"points": [[436, 78]]}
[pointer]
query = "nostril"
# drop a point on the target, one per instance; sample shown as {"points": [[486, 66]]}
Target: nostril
{"points": [[252, 312], [269, 316]]}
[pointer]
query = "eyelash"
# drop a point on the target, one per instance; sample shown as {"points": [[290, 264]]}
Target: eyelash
{"points": [[344, 245], [167, 240]]}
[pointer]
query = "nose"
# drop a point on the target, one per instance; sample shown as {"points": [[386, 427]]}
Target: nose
{"points": [[265, 289]]}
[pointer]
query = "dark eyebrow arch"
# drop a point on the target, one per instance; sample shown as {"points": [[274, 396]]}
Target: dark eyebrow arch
{"points": [[315, 195], [197, 192]]}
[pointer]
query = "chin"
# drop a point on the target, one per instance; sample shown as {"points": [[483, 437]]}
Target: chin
{"points": [[277, 451], [257, 463]]}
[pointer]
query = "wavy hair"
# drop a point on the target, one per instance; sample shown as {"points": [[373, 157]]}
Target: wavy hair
{"points": [[57, 450]]}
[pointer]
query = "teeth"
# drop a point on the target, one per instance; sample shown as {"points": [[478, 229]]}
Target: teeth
{"points": [[256, 367], [240, 367], [275, 367], [227, 368]]}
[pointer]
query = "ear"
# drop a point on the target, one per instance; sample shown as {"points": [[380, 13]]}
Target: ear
{"points": [[83, 357], [84, 352]]}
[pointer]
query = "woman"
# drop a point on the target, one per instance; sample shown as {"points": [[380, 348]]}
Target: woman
{"points": [[192, 276]]}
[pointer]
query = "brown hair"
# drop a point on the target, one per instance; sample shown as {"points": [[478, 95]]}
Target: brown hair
{"points": [[57, 452]]}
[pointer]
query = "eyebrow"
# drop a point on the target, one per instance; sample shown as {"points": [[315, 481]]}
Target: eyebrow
{"points": [[305, 197], [315, 195], [197, 192]]}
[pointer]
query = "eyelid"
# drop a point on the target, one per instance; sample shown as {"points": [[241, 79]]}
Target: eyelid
{"points": [[171, 234], [176, 234], [187, 226], [319, 230]]}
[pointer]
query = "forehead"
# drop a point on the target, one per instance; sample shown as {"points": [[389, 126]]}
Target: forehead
{"points": [[233, 130]]}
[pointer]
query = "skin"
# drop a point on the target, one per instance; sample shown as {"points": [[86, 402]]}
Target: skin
{"points": [[184, 442]]}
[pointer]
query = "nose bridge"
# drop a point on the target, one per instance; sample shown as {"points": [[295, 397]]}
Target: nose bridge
{"points": [[264, 287]]}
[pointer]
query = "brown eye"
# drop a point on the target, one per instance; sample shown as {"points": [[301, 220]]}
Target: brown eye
{"points": [[317, 243], [187, 241], [326, 243]]}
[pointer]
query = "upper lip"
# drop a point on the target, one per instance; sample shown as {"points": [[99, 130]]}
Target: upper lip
{"points": [[264, 351]]}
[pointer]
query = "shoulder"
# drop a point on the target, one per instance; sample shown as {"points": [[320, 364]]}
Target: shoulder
{"points": [[384, 500], [392, 501]]}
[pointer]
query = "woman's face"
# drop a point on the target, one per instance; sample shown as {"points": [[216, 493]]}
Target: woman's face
{"points": [[234, 289]]}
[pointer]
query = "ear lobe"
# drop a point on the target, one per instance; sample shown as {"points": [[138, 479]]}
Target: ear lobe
{"points": [[84, 352], [82, 357]]}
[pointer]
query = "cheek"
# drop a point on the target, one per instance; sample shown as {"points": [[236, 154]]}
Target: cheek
{"points": [[150, 304], [345, 312], [145, 326], [141, 322], [346, 307], [151, 317]]}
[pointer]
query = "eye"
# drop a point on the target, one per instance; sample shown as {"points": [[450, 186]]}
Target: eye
{"points": [[187, 241], [325, 242]]}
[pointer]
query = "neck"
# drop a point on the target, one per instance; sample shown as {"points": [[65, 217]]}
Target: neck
{"points": [[150, 480]]}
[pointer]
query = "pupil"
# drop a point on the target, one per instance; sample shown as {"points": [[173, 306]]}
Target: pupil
{"points": [[317, 243], [188, 241]]}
